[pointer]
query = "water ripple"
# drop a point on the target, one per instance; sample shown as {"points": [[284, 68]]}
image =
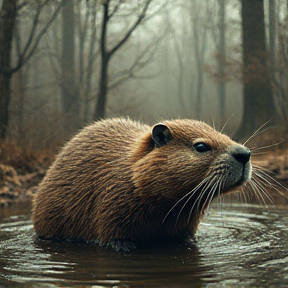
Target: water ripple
{"points": [[239, 246]]}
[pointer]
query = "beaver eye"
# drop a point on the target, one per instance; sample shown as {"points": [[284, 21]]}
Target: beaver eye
{"points": [[202, 147]]}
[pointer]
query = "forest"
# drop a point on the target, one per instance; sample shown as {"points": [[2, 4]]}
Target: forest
{"points": [[67, 63]]}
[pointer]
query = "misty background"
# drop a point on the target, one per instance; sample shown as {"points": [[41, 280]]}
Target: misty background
{"points": [[66, 63]]}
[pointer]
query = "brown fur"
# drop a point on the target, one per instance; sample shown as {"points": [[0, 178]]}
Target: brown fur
{"points": [[112, 186]]}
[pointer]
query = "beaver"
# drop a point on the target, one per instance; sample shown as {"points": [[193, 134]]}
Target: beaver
{"points": [[125, 185]]}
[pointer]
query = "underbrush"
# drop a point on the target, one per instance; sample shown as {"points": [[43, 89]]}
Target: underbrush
{"points": [[21, 170]]}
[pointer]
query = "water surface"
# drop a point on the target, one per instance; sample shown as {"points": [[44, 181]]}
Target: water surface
{"points": [[237, 246]]}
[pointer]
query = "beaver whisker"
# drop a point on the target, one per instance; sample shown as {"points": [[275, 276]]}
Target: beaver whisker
{"points": [[244, 195], [266, 178], [209, 198], [258, 190], [262, 131], [200, 196], [211, 195], [212, 190], [257, 132], [182, 198], [261, 183], [259, 153], [265, 147], [219, 195], [221, 131], [260, 172]]}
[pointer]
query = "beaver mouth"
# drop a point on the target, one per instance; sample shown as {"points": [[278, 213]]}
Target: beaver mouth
{"points": [[246, 174], [242, 180], [244, 177]]}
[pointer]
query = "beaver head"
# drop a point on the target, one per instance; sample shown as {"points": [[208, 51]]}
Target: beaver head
{"points": [[188, 156]]}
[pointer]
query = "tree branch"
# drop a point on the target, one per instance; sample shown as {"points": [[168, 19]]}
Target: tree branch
{"points": [[131, 30], [30, 45], [139, 63], [116, 7]]}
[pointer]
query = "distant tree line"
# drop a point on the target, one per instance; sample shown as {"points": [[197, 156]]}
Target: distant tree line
{"points": [[95, 55]]}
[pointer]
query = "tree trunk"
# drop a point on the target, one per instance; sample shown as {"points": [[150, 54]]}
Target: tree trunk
{"points": [[200, 54], [258, 100], [7, 23], [5, 79], [272, 34], [107, 54], [199, 38], [91, 61], [68, 85], [221, 61], [101, 99]]}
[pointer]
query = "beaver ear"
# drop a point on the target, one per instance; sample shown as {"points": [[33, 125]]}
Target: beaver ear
{"points": [[161, 135]]}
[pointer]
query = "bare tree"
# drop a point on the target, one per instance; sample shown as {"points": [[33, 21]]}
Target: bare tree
{"points": [[221, 58], [199, 34], [258, 101], [130, 62], [76, 80], [23, 53], [272, 33], [106, 53], [69, 91], [178, 46], [7, 23], [278, 43], [88, 54]]}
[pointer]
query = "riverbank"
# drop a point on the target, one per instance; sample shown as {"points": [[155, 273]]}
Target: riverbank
{"points": [[21, 171]]}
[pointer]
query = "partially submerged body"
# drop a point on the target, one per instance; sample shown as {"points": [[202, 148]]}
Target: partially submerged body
{"points": [[125, 185]]}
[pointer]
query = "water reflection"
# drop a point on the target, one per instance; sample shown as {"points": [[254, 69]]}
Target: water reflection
{"points": [[239, 245]]}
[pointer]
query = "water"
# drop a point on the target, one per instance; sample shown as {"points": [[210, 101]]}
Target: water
{"points": [[238, 246]]}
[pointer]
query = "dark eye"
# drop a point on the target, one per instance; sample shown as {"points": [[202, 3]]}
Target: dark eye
{"points": [[202, 147]]}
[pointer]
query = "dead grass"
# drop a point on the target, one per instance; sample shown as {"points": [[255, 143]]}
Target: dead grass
{"points": [[21, 170]]}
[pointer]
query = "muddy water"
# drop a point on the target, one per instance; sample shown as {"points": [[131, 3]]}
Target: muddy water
{"points": [[237, 246]]}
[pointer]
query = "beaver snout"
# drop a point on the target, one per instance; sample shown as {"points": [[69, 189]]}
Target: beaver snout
{"points": [[234, 167], [241, 153], [241, 168]]}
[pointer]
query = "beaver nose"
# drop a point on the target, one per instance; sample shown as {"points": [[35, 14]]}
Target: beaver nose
{"points": [[241, 154]]}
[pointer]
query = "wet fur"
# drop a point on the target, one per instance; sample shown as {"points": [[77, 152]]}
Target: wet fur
{"points": [[111, 185]]}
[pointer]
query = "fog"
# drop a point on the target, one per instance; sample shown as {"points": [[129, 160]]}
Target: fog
{"points": [[184, 59]]}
